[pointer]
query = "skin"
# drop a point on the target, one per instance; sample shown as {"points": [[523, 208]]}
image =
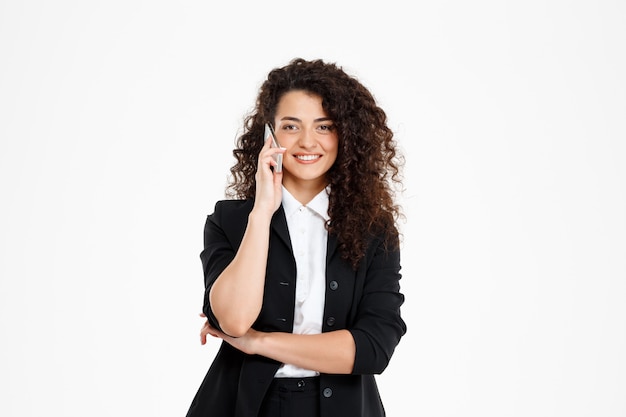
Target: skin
{"points": [[310, 141], [309, 147]]}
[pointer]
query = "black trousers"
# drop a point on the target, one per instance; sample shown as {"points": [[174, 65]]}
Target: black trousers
{"points": [[292, 397]]}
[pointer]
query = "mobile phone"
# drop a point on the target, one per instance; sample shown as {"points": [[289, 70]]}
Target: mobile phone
{"points": [[269, 132]]}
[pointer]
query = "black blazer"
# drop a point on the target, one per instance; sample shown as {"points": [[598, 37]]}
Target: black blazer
{"points": [[365, 301]]}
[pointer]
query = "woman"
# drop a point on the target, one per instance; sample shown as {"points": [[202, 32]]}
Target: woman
{"points": [[302, 269]]}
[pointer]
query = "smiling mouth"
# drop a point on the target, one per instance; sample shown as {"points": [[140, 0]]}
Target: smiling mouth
{"points": [[307, 157]]}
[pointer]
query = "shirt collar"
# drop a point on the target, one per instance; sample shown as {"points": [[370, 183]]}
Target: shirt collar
{"points": [[319, 203]]}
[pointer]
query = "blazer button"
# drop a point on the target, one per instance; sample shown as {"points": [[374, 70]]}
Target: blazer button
{"points": [[333, 285], [330, 321], [327, 392]]}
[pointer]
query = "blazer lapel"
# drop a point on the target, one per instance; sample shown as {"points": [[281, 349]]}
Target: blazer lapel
{"points": [[279, 225], [331, 247]]}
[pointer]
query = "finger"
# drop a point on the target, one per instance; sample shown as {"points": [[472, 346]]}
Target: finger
{"points": [[203, 332], [267, 144], [208, 329], [278, 183], [269, 155], [276, 154]]}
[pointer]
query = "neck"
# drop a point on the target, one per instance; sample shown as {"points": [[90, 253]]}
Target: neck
{"points": [[304, 192]]}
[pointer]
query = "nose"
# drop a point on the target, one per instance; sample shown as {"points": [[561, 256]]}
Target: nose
{"points": [[306, 140]]}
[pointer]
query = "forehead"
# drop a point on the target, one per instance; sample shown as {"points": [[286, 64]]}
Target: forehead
{"points": [[298, 102]]}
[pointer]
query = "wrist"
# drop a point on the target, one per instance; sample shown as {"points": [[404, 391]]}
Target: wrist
{"points": [[256, 342], [260, 216]]}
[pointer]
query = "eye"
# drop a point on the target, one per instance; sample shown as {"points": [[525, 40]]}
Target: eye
{"points": [[326, 127], [288, 127]]}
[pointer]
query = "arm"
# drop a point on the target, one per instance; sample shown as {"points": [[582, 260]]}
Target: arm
{"points": [[236, 296], [378, 326], [331, 352], [364, 348]]}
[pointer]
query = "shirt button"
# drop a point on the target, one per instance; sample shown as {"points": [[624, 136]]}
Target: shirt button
{"points": [[328, 392], [330, 321], [333, 285], [301, 384]]}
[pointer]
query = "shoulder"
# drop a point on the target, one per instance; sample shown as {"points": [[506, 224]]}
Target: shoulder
{"points": [[233, 204], [228, 221], [383, 248], [232, 209]]}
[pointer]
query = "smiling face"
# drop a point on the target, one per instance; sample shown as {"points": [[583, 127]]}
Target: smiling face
{"points": [[310, 139]]}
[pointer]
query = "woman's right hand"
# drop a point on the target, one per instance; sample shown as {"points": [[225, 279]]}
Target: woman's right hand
{"points": [[268, 181]]}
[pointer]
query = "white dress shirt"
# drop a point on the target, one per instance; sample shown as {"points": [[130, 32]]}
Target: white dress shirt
{"points": [[309, 238]]}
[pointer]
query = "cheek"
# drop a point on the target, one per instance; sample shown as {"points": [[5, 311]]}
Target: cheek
{"points": [[332, 157], [335, 148], [332, 145]]}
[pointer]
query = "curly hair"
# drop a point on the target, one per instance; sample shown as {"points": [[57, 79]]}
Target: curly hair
{"points": [[367, 171]]}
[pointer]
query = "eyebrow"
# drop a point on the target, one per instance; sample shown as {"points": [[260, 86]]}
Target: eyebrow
{"points": [[295, 119]]}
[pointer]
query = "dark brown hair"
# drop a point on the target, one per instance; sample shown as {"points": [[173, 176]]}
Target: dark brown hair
{"points": [[364, 177]]}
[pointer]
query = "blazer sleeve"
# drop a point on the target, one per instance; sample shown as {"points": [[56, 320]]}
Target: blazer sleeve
{"points": [[378, 325], [223, 231]]}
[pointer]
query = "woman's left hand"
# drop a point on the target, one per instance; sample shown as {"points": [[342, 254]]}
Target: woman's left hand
{"points": [[243, 343]]}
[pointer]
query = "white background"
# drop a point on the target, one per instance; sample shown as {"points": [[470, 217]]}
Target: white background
{"points": [[117, 121]]}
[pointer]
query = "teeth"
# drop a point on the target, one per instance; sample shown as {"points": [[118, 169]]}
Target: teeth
{"points": [[307, 157]]}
